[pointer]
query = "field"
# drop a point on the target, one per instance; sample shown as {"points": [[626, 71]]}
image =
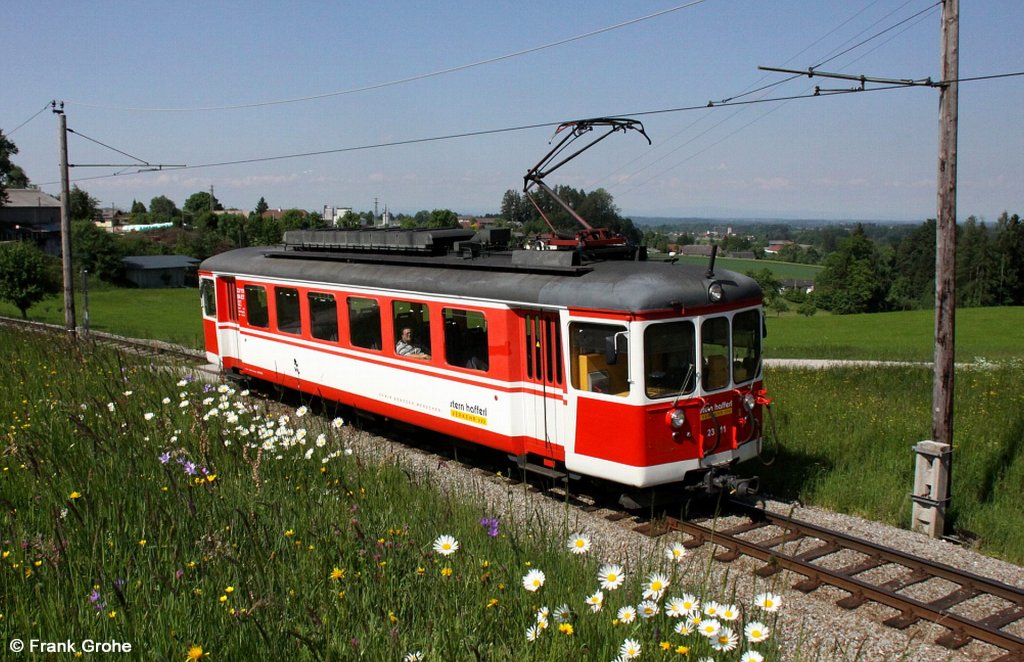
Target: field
{"points": [[831, 423], [992, 334], [188, 520], [782, 270], [845, 438]]}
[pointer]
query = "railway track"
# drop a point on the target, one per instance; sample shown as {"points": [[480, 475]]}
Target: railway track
{"points": [[868, 572], [137, 345], [782, 543]]}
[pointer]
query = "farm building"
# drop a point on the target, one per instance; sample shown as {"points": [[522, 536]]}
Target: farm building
{"points": [[160, 270], [30, 214]]}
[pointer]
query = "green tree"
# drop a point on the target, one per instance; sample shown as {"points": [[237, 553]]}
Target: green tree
{"points": [[163, 210], [7, 149], [199, 202], [852, 280], [24, 276], [261, 207], [514, 208], [138, 208], [84, 207], [17, 178], [913, 270], [1009, 260], [975, 284], [770, 285], [97, 251], [443, 218], [807, 308]]}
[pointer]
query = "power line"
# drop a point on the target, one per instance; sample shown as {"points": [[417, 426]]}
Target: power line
{"points": [[539, 125], [400, 81], [916, 17], [45, 106], [484, 132]]}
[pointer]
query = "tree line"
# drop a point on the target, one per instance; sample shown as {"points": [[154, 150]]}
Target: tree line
{"points": [[866, 267]]}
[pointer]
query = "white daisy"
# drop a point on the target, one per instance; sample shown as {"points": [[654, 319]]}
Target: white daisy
{"points": [[691, 604], [726, 640], [563, 614], [683, 628], [712, 609], [611, 577], [630, 649], [675, 608], [579, 543], [756, 631], [648, 609], [626, 614], [596, 601], [675, 552], [656, 585], [768, 601], [752, 656], [533, 632], [709, 628], [416, 656], [445, 545], [728, 612], [533, 580]]}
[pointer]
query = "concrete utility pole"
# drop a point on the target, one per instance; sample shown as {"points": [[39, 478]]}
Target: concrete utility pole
{"points": [[932, 493], [65, 221]]}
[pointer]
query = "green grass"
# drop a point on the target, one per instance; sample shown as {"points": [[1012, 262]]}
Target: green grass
{"points": [[990, 333], [173, 516], [845, 444], [170, 314], [782, 270]]}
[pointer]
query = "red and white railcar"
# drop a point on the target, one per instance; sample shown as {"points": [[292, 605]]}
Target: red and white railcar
{"points": [[638, 372]]}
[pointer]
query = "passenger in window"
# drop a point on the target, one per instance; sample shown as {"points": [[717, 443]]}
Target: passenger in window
{"points": [[405, 346]]}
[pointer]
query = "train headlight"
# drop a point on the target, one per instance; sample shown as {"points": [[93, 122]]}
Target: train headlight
{"points": [[677, 419], [716, 293], [749, 401]]}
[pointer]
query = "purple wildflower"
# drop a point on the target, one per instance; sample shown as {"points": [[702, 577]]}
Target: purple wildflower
{"points": [[491, 523], [165, 457], [190, 468]]}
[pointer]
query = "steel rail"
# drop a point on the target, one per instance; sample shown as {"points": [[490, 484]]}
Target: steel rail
{"points": [[911, 609]]}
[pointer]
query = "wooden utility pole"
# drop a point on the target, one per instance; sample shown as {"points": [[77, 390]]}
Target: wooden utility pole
{"points": [[65, 221], [941, 447]]}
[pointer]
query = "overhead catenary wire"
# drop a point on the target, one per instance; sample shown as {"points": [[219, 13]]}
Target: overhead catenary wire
{"points": [[401, 81], [764, 88], [46, 106], [485, 132]]}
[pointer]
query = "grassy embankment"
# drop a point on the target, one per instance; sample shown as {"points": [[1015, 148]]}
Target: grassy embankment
{"points": [[185, 520], [846, 434]]}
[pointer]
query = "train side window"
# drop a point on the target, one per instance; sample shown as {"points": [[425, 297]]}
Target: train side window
{"points": [[323, 316], [746, 345], [208, 296], [364, 322], [714, 334], [256, 310], [415, 317], [589, 367], [465, 339], [289, 318], [670, 359]]}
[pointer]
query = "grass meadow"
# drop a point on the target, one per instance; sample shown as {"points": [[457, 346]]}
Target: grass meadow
{"points": [[845, 438], [188, 520]]}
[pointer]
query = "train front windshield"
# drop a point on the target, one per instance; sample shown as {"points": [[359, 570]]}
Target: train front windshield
{"points": [[729, 350]]}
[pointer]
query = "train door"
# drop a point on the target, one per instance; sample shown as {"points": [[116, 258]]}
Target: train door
{"points": [[227, 320], [544, 401]]}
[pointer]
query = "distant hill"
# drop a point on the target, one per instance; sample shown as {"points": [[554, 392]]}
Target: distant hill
{"points": [[792, 222]]}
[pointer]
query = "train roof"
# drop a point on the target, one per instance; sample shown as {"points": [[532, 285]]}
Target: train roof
{"points": [[515, 277]]}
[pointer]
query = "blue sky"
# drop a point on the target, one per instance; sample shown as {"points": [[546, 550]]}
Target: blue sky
{"points": [[120, 67]]}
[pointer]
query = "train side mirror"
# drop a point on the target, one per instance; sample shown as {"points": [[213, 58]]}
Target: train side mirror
{"points": [[611, 347]]}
